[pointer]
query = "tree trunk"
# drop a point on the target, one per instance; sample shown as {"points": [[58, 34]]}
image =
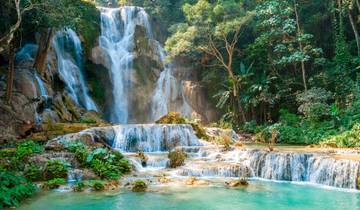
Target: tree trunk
{"points": [[299, 31], [10, 75], [356, 33], [44, 45]]}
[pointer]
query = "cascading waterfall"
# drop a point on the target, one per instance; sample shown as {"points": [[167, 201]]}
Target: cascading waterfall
{"points": [[166, 91], [117, 40], [153, 138], [69, 57], [282, 166]]}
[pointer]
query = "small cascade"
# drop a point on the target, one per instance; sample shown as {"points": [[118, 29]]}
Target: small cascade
{"points": [[69, 57], [117, 40], [153, 138], [167, 91], [26, 53]]}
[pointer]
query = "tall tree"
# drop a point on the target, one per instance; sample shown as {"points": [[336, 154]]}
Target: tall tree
{"points": [[212, 29]]}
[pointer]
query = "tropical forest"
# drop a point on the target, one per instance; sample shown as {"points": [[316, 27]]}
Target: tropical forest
{"points": [[179, 104]]}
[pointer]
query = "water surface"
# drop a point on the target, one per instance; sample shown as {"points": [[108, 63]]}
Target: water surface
{"points": [[258, 195]]}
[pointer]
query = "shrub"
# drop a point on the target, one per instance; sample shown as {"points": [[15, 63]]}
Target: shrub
{"points": [[313, 104], [55, 169], [177, 158], [349, 138], [14, 189], [171, 118], [33, 172], [96, 185], [139, 186], [54, 183], [78, 187], [87, 120], [27, 148]]}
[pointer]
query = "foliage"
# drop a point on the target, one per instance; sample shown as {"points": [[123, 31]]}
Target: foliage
{"points": [[176, 158], [33, 172], [96, 185], [139, 186], [14, 189], [176, 118], [87, 120], [171, 118], [56, 169], [78, 187], [27, 148], [349, 138], [54, 183], [107, 164], [313, 104]]}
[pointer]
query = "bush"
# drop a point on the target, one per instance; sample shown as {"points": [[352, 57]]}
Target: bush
{"points": [[171, 118], [177, 158], [78, 187], [139, 186], [107, 164], [88, 120], [54, 183], [27, 148], [33, 172], [14, 189], [96, 185], [56, 169], [349, 138]]}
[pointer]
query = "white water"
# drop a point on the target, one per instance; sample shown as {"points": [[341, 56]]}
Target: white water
{"points": [[26, 53], [167, 91], [117, 40], [153, 138], [69, 59]]}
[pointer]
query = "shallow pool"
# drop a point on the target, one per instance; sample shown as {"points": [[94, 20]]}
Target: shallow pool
{"points": [[258, 195]]}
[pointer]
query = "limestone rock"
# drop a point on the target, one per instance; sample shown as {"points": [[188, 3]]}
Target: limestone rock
{"points": [[214, 132]]}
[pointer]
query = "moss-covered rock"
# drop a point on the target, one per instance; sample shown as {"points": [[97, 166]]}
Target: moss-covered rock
{"points": [[139, 186]]}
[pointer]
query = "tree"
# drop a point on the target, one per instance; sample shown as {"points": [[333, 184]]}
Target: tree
{"points": [[282, 35], [212, 29]]}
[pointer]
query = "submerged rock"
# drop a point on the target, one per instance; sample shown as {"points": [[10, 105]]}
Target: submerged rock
{"points": [[237, 183]]}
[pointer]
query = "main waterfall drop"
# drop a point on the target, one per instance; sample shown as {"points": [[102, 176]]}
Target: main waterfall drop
{"points": [[67, 44], [117, 40]]}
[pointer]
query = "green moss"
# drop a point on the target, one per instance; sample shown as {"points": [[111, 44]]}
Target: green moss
{"points": [[139, 186]]}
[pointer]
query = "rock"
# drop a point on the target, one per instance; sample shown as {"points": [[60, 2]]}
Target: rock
{"points": [[215, 132], [237, 183], [139, 186], [164, 180], [190, 181]]}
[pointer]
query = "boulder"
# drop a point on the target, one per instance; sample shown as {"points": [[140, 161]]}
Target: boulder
{"points": [[215, 132]]}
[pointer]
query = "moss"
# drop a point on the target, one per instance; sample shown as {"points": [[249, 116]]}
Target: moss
{"points": [[177, 158], [171, 118], [139, 186]]}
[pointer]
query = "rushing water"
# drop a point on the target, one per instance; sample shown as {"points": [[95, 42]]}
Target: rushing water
{"points": [[153, 138], [70, 65], [117, 40], [257, 196], [167, 91]]}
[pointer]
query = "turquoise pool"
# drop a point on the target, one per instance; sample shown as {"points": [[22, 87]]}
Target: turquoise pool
{"points": [[257, 196]]}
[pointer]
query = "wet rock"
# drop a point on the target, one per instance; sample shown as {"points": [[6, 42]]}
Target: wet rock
{"points": [[139, 186], [216, 132], [193, 181], [190, 180], [237, 183], [164, 180]]}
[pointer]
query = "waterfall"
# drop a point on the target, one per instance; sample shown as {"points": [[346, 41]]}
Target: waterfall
{"points": [[117, 40], [26, 53], [153, 138], [70, 65], [40, 83], [166, 91]]}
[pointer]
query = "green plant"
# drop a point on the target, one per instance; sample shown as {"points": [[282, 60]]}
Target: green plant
{"points": [[96, 185], [14, 189], [176, 158], [56, 169], [87, 120], [33, 172], [54, 183], [139, 186], [27, 148], [78, 187], [172, 118], [349, 138]]}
